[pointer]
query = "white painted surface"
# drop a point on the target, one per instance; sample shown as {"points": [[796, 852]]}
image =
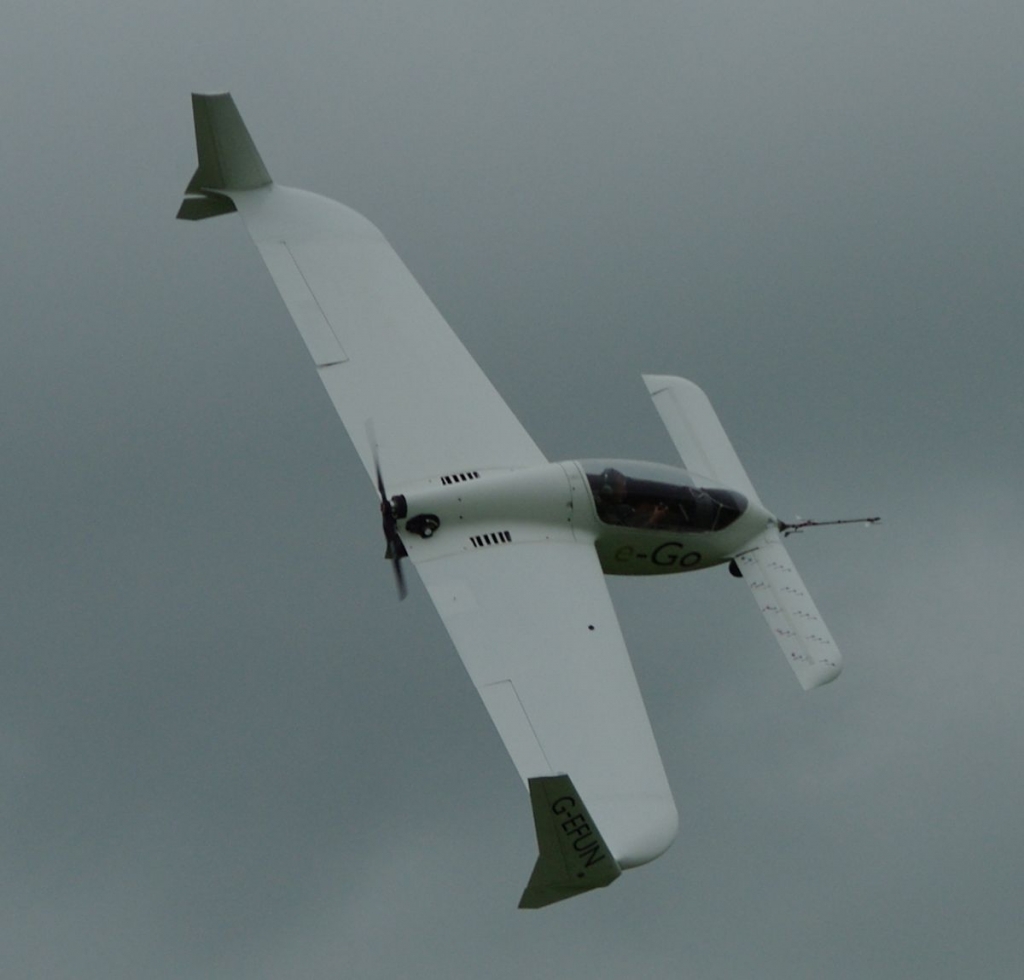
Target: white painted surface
{"points": [[791, 613], [537, 619]]}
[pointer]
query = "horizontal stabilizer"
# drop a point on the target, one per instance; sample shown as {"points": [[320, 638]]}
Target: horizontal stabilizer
{"points": [[573, 856], [790, 611], [228, 158], [697, 433]]}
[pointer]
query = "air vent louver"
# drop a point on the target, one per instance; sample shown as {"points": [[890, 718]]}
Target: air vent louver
{"points": [[485, 540], [460, 477]]}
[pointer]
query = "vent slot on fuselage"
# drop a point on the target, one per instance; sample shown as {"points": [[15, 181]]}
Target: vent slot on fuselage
{"points": [[460, 477], [496, 537]]}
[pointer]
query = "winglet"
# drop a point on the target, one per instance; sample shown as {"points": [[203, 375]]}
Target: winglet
{"points": [[573, 856], [228, 158]]}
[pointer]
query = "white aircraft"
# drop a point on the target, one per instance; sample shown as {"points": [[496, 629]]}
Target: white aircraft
{"points": [[513, 549]]}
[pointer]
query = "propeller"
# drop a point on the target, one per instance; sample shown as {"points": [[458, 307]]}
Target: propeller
{"points": [[389, 521]]}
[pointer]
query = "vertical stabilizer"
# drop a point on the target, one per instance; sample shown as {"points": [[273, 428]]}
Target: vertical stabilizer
{"points": [[697, 433]]}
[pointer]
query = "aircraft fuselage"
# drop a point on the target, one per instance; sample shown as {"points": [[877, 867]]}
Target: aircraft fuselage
{"points": [[643, 518]]}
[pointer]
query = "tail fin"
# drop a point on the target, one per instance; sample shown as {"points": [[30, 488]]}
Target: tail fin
{"points": [[228, 158], [765, 563], [697, 433]]}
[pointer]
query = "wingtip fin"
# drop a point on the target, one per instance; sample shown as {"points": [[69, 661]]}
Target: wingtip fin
{"points": [[573, 857], [207, 206], [228, 158]]}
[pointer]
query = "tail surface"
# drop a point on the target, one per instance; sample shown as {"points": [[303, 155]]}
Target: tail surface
{"points": [[781, 594], [789, 611]]}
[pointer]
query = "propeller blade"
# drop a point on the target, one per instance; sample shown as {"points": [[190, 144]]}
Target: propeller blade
{"points": [[395, 549], [396, 564]]}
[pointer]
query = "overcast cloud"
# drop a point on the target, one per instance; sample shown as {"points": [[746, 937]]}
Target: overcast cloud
{"points": [[225, 751]]}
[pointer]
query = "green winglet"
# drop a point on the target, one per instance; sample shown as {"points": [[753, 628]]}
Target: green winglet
{"points": [[198, 208], [228, 158], [573, 855]]}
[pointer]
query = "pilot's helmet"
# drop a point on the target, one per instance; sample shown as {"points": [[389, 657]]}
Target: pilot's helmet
{"points": [[613, 484]]}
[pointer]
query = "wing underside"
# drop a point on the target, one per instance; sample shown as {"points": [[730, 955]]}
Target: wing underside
{"points": [[535, 628]]}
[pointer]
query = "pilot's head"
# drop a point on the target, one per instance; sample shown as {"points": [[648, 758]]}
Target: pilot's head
{"points": [[613, 485]]}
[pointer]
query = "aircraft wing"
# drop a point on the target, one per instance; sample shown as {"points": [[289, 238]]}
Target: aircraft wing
{"points": [[535, 628], [382, 350], [533, 623]]}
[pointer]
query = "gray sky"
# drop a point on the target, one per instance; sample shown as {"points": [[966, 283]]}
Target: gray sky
{"points": [[225, 751]]}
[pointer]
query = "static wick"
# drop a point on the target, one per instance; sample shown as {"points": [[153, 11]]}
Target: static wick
{"points": [[799, 525]]}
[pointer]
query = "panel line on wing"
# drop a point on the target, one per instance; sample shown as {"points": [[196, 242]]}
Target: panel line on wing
{"points": [[315, 326], [515, 728]]}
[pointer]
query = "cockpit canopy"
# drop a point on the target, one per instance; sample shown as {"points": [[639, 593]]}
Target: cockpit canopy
{"points": [[663, 498]]}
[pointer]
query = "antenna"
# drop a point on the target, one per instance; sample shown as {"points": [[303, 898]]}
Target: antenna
{"points": [[799, 525]]}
